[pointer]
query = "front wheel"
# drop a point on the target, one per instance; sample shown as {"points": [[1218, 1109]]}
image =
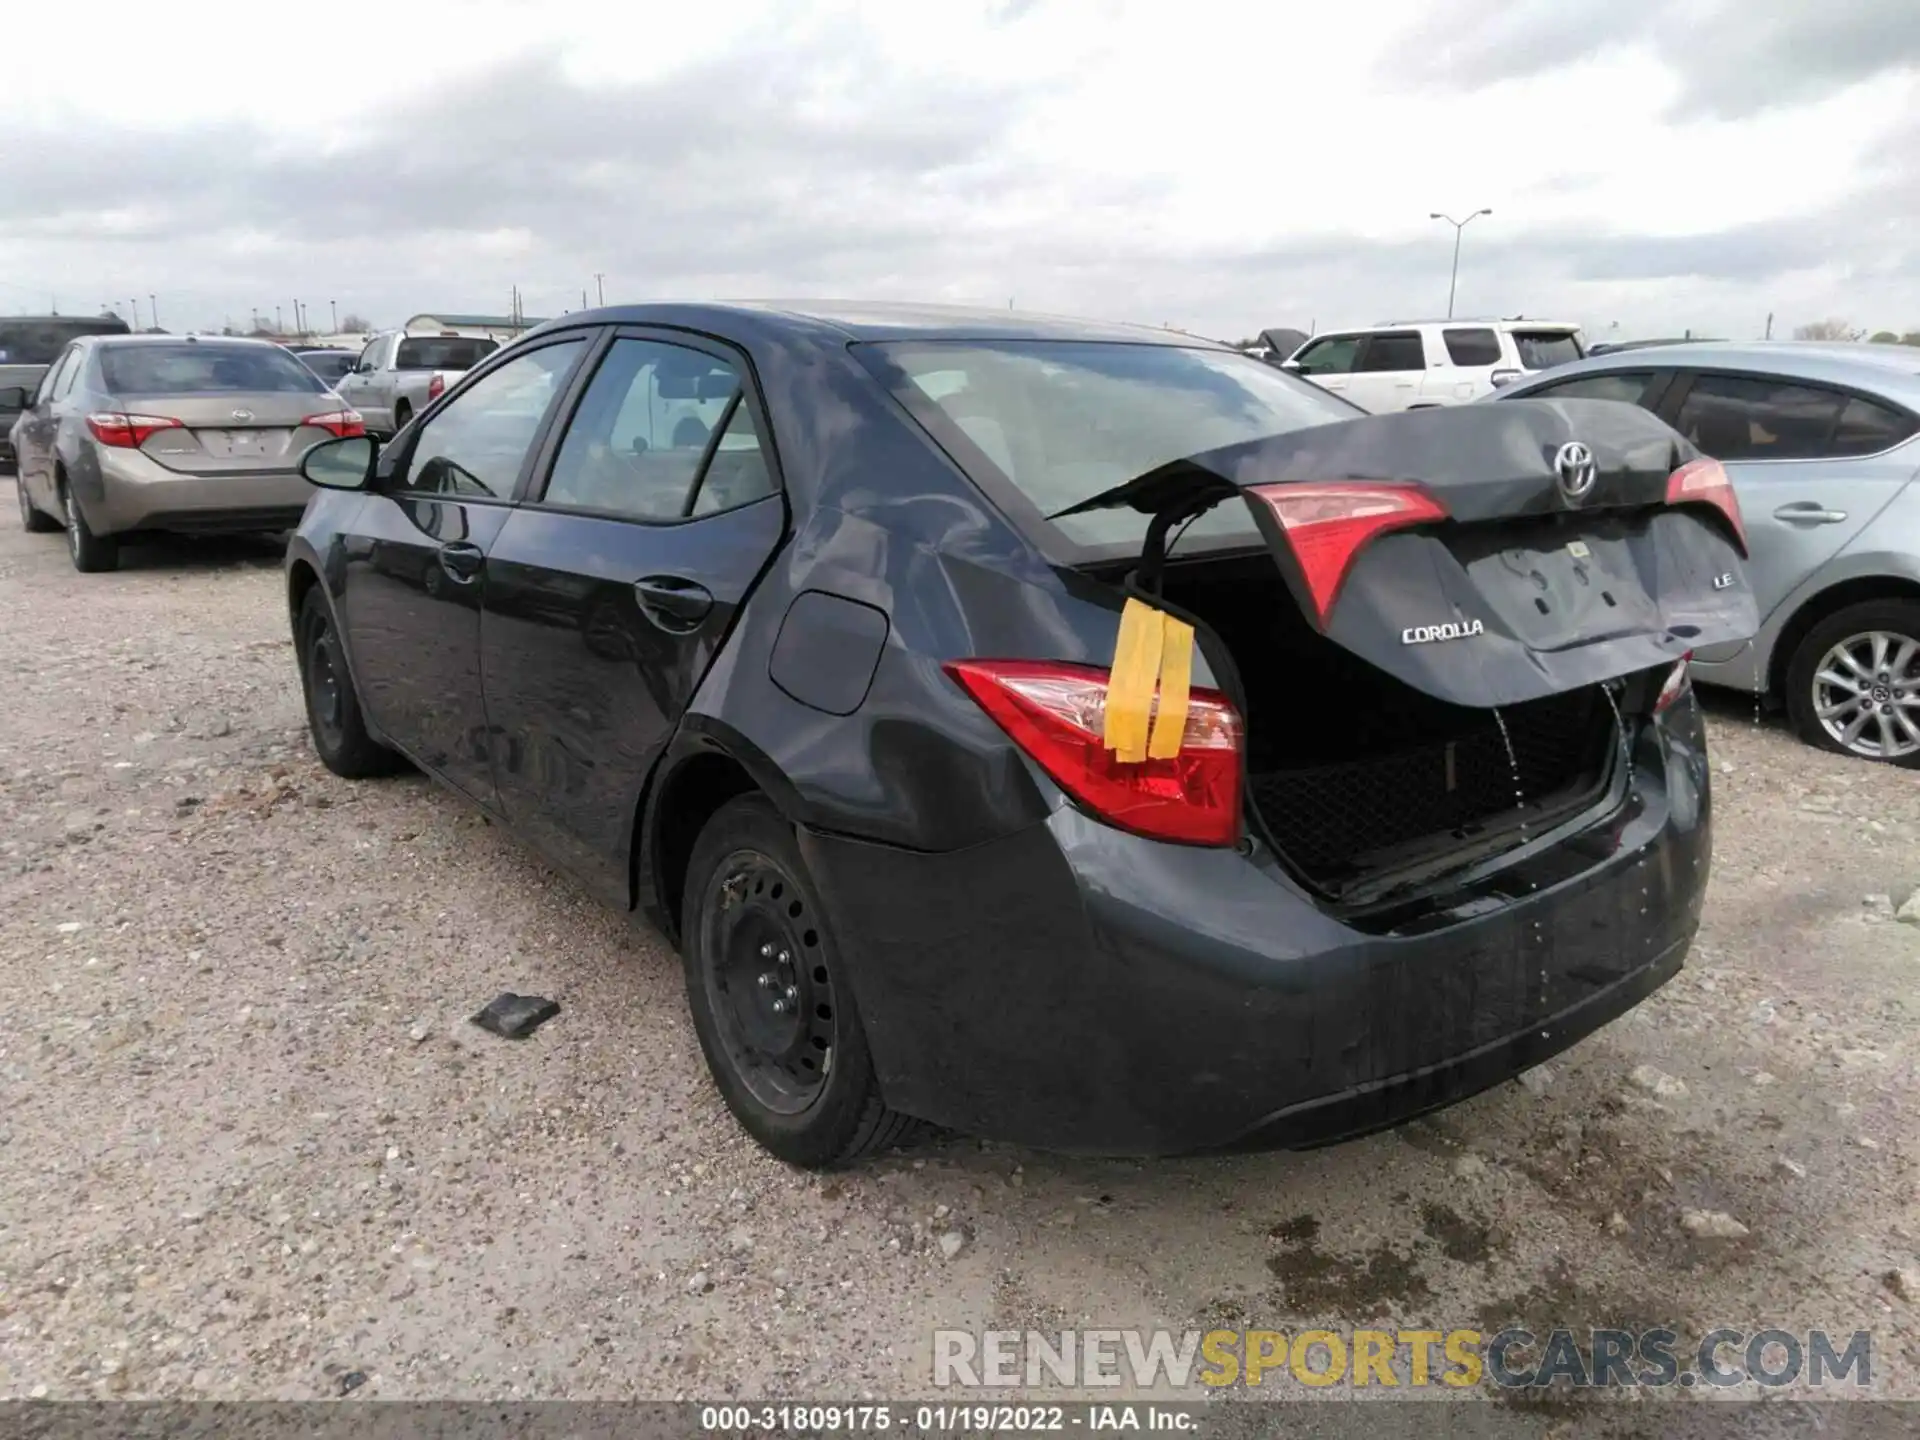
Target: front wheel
{"points": [[31, 520], [334, 720], [1853, 684], [92, 554], [770, 1000]]}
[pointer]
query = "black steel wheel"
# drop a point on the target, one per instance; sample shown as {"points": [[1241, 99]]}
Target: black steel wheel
{"points": [[775, 1018], [334, 720]]}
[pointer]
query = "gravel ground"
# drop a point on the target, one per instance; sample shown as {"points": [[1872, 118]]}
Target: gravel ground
{"points": [[250, 1148]]}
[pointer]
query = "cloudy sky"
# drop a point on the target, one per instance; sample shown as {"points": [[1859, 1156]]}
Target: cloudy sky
{"points": [[1654, 165]]}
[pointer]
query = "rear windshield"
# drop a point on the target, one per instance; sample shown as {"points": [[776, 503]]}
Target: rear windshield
{"points": [[1061, 422], [192, 369], [39, 342], [1544, 349], [443, 353]]}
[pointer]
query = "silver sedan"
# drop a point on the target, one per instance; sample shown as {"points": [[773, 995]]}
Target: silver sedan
{"points": [[128, 434], [1822, 442]]}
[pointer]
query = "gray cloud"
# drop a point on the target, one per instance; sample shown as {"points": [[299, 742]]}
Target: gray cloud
{"points": [[1734, 58]]}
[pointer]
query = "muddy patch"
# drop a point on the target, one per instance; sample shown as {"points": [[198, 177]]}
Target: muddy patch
{"points": [[1464, 1241], [1314, 1283]]}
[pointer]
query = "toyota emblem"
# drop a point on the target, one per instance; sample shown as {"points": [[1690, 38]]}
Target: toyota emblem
{"points": [[243, 414], [1574, 471]]}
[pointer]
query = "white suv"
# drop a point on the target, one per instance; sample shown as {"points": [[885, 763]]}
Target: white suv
{"points": [[1417, 363]]}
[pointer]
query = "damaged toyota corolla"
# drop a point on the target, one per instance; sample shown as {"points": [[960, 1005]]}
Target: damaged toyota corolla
{"points": [[1072, 734]]}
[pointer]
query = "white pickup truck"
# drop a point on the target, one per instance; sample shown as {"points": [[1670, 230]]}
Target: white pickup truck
{"points": [[398, 375]]}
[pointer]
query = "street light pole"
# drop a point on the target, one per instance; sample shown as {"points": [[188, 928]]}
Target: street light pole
{"points": [[1458, 226]]}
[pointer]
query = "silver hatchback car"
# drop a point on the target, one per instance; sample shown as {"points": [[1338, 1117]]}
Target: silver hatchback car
{"points": [[134, 433], [1822, 442]]}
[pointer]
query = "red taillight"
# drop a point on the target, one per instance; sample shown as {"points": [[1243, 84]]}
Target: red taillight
{"points": [[1679, 682], [436, 387], [1704, 482], [1056, 713], [127, 432], [339, 423], [1327, 525]]}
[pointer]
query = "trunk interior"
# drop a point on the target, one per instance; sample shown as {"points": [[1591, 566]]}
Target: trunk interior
{"points": [[1357, 776]]}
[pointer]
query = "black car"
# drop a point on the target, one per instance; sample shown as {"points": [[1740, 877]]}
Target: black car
{"points": [[331, 366], [795, 631]]}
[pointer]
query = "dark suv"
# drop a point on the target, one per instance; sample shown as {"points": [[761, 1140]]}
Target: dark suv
{"points": [[28, 345], [826, 639]]}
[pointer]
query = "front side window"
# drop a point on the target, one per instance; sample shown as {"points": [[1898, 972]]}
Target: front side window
{"points": [[1396, 350], [1627, 385], [477, 443], [1736, 417], [1061, 422], [636, 445], [1335, 355]]}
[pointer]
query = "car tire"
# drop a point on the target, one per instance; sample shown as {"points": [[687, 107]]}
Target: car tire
{"points": [[31, 520], [754, 937], [334, 720], [92, 554], [402, 413], [1853, 630]]}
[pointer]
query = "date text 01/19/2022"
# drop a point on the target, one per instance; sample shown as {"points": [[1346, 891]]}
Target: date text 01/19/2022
{"points": [[942, 1419]]}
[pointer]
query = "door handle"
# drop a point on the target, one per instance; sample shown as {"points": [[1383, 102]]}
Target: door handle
{"points": [[672, 603], [462, 561], [1809, 512]]}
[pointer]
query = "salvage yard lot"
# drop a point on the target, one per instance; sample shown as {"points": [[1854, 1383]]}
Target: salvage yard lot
{"points": [[250, 1148]]}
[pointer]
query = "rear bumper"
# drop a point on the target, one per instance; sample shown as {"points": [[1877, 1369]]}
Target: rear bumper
{"points": [[134, 493], [1081, 990]]}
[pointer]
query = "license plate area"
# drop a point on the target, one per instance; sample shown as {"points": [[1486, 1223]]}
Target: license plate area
{"points": [[1558, 589], [248, 444]]}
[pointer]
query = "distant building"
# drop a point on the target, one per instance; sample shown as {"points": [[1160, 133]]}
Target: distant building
{"points": [[485, 327]]}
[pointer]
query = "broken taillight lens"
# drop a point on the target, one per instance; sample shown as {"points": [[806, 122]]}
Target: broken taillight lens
{"points": [[1679, 681], [1705, 482], [338, 423], [1328, 525], [127, 432], [1056, 713]]}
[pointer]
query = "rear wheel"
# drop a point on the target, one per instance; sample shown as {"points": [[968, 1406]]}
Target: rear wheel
{"points": [[31, 519], [770, 1001], [92, 554], [1853, 684], [402, 413], [339, 730]]}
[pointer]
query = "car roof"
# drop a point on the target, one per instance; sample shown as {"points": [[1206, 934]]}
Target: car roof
{"points": [[117, 341], [1892, 370], [885, 320], [1478, 322]]}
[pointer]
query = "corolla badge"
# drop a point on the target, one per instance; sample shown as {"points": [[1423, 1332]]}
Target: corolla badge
{"points": [[1452, 630], [1574, 471]]}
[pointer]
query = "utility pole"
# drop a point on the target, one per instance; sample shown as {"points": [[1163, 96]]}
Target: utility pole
{"points": [[1769, 325], [1458, 227], [153, 312], [600, 289], [334, 305], [135, 303], [279, 326]]}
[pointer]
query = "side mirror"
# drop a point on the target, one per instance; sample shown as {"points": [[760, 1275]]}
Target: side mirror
{"points": [[1293, 367], [1503, 378], [342, 464], [15, 397]]}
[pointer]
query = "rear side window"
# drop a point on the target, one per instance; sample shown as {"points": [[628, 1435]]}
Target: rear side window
{"points": [[199, 369], [1058, 422], [1735, 417], [636, 444], [1867, 428], [1395, 350], [1334, 355], [1472, 347], [443, 352], [1544, 349], [1628, 385]]}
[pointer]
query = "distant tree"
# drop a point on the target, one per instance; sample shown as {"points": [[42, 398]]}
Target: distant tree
{"points": [[351, 324], [1827, 330], [1912, 337], [1885, 337]]}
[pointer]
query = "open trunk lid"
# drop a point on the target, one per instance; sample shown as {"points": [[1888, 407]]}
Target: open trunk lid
{"points": [[1484, 555]]}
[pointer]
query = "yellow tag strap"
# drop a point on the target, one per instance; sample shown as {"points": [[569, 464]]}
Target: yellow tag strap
{"points": [[1136, 665], [1176, 683]]}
